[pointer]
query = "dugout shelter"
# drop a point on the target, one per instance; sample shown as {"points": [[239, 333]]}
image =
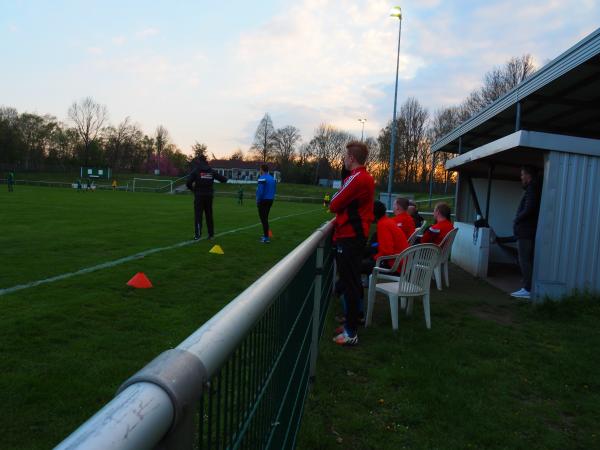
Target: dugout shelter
{"points": [[550, 121]]}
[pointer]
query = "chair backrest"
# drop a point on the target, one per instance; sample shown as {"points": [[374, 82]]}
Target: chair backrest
{"points": [[446, 245], [417, 263], [413, 237]]}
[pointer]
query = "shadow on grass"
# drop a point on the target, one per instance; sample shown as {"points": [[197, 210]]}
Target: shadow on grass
{"points": [[493, 372]]}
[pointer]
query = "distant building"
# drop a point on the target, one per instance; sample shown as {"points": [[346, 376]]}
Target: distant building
{"points": [[242, 171]]}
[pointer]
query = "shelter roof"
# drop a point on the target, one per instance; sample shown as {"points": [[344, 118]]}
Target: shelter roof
{"points": [[563, 97]]}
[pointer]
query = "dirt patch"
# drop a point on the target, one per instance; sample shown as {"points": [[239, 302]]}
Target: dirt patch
{"points": [[502, 316]]}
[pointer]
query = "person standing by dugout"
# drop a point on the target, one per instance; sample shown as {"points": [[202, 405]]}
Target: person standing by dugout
{"points": [[353, 208], [200, 182], [265, 193]]}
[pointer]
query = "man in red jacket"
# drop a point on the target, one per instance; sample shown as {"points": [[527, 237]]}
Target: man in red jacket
{"points": [[436, 233], [403, 219], [353, 208]]}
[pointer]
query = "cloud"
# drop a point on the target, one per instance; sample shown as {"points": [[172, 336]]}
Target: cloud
{"points": [[119, 40], [95, 50], [12, 28], [321, 57], [147, 32]]}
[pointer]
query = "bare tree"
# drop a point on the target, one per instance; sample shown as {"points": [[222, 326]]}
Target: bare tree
{"points": [[412, 131], [285, 141], [264, 139], [496, 83], [88, 117], [161, 139], [238, 155]]}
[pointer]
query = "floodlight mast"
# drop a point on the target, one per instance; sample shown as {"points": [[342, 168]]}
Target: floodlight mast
{"points": [[395, 12]]}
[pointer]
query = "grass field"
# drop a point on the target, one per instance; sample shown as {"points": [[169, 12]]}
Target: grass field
{"points": [[66, 346], [492, 373]]}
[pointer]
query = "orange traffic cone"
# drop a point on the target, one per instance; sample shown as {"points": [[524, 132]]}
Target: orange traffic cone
{"points": [[270, 234], [140, 281]]}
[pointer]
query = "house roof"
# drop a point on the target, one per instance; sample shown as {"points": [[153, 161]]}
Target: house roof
{"points": [[563, 97]]}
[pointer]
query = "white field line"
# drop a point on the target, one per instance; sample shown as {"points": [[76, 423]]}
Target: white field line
{"points": [[139, 255]]}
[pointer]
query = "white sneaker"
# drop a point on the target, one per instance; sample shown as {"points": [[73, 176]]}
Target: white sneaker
{"points": [[521, 293]]}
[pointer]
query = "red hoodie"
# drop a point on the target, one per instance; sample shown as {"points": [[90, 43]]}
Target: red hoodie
{"points": [[353, 205]]}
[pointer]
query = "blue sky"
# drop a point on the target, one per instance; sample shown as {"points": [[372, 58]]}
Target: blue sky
{"points": [[208, 71]]}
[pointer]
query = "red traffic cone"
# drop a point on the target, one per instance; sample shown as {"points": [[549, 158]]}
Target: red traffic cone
{"points": [[140, 281]]}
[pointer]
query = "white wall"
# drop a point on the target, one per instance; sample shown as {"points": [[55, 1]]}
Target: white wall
{"points": [[471, 255]]}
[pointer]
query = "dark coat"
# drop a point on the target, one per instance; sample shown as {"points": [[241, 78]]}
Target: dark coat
{"points": [[201, 180], [525, 223]]}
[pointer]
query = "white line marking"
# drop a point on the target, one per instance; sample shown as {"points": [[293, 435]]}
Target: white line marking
{"points": [[139, 255]]}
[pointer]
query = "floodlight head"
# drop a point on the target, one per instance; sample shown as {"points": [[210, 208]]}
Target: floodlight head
{"points": [[396, 11]]}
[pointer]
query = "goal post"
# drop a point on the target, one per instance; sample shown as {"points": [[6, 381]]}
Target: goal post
{"points": [[152, 185]]}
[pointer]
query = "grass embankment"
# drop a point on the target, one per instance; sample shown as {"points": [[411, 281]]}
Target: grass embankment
{"points": [[66, 346], [492, 373]]}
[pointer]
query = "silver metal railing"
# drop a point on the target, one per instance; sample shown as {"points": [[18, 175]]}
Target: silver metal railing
{"points": [[155, 408]]}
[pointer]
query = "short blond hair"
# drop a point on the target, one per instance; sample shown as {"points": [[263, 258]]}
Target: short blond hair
{"points": [[358, 150]]}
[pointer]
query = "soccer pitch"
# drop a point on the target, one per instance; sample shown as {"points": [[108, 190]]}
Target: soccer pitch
{"points": [[68, 343]]}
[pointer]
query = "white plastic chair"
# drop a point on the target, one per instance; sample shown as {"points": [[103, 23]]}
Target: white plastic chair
{"points": [[418, 231], [415, 266], [445, 246]]}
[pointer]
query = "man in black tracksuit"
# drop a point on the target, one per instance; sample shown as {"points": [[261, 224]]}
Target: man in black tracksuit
{"points": [[525, 226], [200, 182]]}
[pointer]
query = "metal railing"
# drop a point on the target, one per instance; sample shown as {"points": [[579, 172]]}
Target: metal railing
{"points": [[239, 381]]}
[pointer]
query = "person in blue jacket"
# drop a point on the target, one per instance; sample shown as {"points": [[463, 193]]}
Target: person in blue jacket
{"points": [[265, 193]]}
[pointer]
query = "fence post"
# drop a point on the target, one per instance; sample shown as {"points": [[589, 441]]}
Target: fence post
{"points": [[314, 348]]}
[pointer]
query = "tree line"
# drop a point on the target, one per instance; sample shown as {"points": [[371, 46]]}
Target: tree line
{"points": [[32, 142]]}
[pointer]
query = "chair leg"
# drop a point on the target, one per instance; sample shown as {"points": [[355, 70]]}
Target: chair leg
{"points": [[446, 274], [394, 310], [403, 302], [426, 308], [370, 301], [437, 272], [409, 307]]}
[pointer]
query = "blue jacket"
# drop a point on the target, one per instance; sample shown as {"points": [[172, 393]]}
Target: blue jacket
{"points": [[266, 188]]}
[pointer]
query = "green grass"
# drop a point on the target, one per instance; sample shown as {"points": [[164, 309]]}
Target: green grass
{"points": [[492, 373], [65, 347]]}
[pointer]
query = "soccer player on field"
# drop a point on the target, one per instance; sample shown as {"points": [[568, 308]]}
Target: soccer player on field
{"points": [[200, 182], [265, 193]]}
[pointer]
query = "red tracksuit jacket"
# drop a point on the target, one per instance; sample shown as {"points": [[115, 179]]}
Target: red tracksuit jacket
{"points": [[436, 233], [405, 222], [353, 205], [391, 239]]}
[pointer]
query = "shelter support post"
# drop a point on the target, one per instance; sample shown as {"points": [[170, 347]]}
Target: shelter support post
{"points": [[489, 192]]}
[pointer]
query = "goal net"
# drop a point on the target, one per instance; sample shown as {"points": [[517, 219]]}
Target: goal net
{"points": [[152, 185]]}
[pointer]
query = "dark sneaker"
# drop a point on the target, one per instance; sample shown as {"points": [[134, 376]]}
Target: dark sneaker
{"points": [[196, 238], [211, 238], [265, 240]]}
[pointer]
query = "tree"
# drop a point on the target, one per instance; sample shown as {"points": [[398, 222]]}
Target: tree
{"points": [[238, 155], [88, 117], [285, 141], [413, 117], [264, 139], [161, 139], [496, 83], [199, 150]]}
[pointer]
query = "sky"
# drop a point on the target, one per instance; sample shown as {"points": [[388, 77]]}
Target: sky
{"points": [[208, 71]]}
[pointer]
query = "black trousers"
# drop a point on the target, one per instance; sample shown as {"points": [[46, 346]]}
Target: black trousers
{"points": [[348, 258], [203, 205], [525, 247], [264, 206]]}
